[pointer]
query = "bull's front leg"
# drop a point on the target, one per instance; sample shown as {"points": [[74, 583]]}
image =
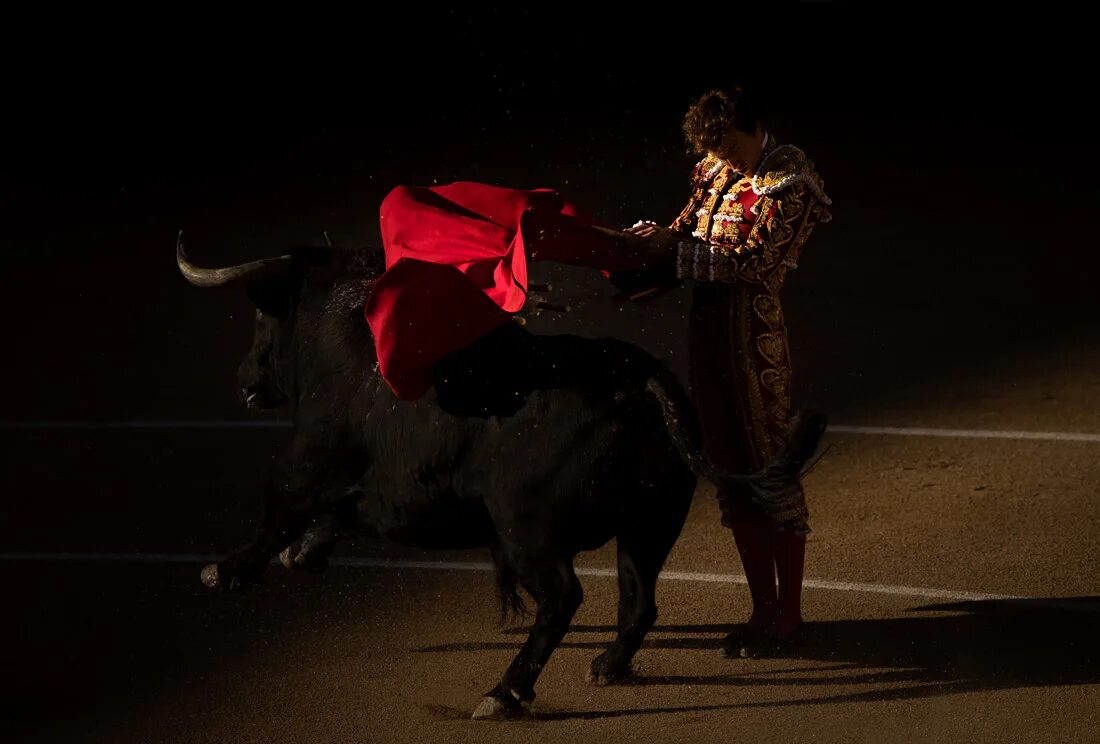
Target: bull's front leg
{"points": [[304, 473], [286, 516], [558, 594]]}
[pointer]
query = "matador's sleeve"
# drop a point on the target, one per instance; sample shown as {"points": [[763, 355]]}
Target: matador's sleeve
{"points": [[685, 222], [788, 210]]}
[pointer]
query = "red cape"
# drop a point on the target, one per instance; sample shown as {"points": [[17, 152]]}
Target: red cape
{"points": [[456, 268]]}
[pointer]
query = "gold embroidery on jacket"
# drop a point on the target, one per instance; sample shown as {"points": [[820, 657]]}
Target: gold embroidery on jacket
{"points": [[767, 309], [773, 348]]}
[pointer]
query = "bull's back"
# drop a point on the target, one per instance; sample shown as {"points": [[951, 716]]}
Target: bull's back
{"points": [[545, 430]]}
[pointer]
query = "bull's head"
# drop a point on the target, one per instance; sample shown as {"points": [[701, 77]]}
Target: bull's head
{"points": [[320, 290], [265, 376]]}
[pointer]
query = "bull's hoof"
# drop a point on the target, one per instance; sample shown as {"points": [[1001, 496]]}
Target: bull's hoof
{"points": [[604, 671], [495, 709], [210, 576], [297, 557], [213, 578], [597, 679]]}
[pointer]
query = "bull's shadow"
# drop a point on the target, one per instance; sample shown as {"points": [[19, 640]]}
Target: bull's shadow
{"points": [[987, 645]]}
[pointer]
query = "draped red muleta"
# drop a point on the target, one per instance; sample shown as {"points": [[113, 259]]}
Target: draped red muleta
{"points": [[456, 268]]}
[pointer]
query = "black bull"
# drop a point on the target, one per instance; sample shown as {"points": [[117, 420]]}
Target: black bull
{"points": [[536, 446]]}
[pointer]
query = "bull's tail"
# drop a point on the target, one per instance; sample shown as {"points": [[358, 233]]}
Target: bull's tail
{"points": [[511, 603], [775, 486]]}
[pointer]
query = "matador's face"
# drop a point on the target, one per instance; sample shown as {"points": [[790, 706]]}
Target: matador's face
{"points": [[741, 149]]}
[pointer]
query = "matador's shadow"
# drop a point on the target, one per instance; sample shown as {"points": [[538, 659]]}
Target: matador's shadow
{"points": [[987, 645]]}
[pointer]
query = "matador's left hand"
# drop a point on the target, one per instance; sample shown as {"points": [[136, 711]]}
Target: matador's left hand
{"points": [[661, 237]]}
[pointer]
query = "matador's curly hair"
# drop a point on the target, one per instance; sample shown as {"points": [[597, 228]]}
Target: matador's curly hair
{"points": [[710, 117]]}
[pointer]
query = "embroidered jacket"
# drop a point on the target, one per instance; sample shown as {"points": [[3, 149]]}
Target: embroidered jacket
{"points": [[742, 229]]}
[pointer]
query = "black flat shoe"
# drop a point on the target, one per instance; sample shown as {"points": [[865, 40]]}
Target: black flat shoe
{"points": [[764, 646], [737, 639]]}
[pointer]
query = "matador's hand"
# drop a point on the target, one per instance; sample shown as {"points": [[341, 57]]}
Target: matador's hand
{"points": [[661, 238]]}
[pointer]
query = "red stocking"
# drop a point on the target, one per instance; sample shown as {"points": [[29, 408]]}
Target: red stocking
{"points": [[790, 558], [754, 535]]}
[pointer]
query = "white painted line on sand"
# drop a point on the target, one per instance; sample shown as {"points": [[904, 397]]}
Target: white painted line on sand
{"points": [[900, 431], [842, 586], [141, 424]]}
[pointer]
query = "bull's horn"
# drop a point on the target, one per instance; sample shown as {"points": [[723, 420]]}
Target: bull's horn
{"points": [[230, 276]]}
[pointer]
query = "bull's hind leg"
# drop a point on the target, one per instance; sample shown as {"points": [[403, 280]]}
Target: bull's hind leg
{"points": [[643, 547], [558, 594], [638, 569]]}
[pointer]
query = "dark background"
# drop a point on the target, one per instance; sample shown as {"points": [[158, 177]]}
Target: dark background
{"points": [[961, 264], [959, 152]]}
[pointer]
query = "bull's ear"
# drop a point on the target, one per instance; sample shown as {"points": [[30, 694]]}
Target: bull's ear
{"points": [[273, 296]]}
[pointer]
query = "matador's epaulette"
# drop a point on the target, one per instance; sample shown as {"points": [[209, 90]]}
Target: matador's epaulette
{"points": [[785, 165], [705, 170]]}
